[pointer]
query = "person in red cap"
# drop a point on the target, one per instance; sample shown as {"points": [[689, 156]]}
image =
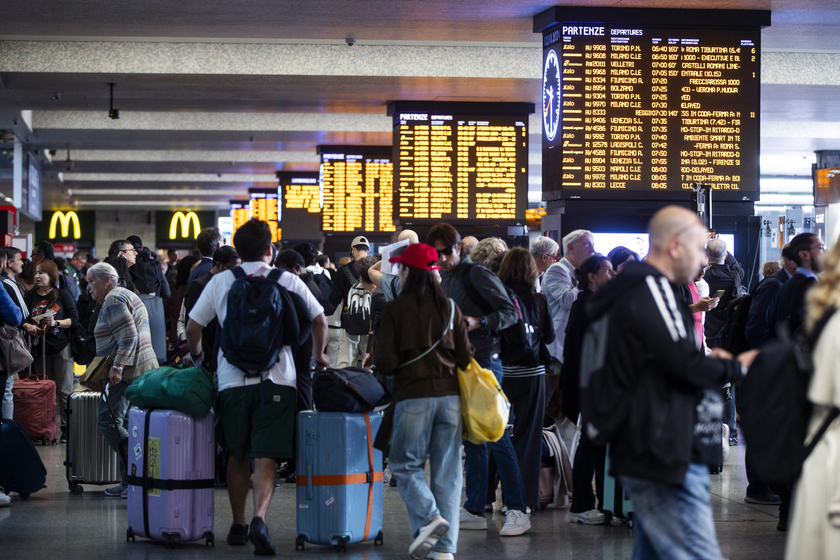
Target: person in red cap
{"points": [[422, 339]]}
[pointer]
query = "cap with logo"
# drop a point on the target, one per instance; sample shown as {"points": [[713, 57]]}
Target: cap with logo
{"points": [[360, 240], [420, 256]]}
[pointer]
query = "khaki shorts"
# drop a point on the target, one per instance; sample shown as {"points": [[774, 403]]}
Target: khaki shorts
{"points": [[258, 424]]}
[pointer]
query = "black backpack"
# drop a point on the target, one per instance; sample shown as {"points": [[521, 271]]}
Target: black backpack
{"points": [[735, 324], [520, 342], [325, 284], [774, 406], [356, 316], [262, 317]]}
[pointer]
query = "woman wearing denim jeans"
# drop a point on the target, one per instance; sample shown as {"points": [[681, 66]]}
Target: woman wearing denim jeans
{"points": [[422, 339]]}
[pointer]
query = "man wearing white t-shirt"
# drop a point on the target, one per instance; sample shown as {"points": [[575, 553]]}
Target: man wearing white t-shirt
{"points": [[257, 414]]}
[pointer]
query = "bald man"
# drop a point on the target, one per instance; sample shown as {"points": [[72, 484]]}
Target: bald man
{"points": [[409, 234], [469, 243], [654, 396]]}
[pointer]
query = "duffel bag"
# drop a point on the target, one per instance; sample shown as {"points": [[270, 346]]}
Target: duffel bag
{"points": [[350, 389], [188, 389]]}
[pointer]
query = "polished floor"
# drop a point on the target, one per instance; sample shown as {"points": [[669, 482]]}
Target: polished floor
{"points": [[56, 524]]}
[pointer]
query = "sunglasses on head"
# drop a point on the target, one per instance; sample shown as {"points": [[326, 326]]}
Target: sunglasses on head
{"points": [[449, 250]]}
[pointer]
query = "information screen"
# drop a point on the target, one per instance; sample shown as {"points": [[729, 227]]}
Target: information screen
{"points": [[300, 216], [264, 207], [240, 212], [357, 184], [648, 108]]}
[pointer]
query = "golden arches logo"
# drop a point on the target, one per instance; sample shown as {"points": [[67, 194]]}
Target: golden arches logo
{"points": [[66, 219], [185, 220]]}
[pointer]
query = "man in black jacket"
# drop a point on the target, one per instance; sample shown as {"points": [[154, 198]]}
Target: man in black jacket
{"points": [[651, 385], [789, 305]]}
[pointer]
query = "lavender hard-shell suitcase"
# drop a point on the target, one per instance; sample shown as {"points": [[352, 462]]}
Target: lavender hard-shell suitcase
{"points": [[90, 460], [171, 469], [339, 478]]}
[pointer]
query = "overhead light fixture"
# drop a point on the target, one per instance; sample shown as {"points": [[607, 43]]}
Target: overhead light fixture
{"points": [[113, 113], [68, 165], [832, 173]]}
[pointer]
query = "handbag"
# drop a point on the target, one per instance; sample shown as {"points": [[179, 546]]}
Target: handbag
{"points": [[95, 372], [484, 406], [191, 390], [16, 355]]}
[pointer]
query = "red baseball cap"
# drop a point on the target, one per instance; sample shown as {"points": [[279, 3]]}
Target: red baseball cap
{"points": [[419, 255]]}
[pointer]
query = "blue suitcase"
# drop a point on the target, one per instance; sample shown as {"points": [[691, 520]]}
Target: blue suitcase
{"points": [[339, 479], [616, 502], [21, 467]]}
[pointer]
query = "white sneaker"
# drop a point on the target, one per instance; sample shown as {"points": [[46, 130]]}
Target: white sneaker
{"points": [[471, 522], [516, 523], [591, 517], [5, 499], [116, 491], [428, 537]]}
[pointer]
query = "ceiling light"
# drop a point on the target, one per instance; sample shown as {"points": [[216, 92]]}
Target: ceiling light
{"points": [[832, 173]]}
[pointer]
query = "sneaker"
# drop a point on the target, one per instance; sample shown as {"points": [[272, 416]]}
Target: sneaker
{"points": [[258, 535], [63, 437], [471, 522], [116, 491], [286, 470], [124, 494], [5, 499], [292, 478], [427, 537], [516, 523], [238, 535], [767, 498], [434, 555], [591, 517]]}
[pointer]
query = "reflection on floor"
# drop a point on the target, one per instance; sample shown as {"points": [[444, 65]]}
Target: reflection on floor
{"points": [[55, 524]]}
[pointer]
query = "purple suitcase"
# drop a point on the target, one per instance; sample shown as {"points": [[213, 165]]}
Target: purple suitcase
{"points": [[171, 468]]}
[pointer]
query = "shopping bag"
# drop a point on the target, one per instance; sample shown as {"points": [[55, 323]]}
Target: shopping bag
{"points": [[98, 369], [484, 406]]}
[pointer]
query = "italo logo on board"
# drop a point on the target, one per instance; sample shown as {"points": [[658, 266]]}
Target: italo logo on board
{"points": [[65, 219], [185, 220]]}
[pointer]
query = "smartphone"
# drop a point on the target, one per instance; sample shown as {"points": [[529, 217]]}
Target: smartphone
{"points": [[718, 294]]}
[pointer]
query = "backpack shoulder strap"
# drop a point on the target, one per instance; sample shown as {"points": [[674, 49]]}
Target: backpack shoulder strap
{"points": [[238, 272], [275, 274]]}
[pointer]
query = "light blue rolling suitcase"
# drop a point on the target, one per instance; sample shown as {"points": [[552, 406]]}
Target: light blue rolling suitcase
{"points": [[339, 479]]}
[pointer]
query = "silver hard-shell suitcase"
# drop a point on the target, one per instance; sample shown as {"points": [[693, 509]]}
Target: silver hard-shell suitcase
{"points": [[90, 460]]}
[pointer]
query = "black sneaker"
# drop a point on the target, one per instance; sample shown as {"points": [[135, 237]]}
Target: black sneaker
{"points": [[766, 498], [258, 535], [238, 535], [63, 437], [292, 478]]}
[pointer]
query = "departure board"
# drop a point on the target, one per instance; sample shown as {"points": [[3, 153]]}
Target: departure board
{"points": [[357, 185], [300, 194], [264, 207], [460, 161], [240, 212], [649, 102]]}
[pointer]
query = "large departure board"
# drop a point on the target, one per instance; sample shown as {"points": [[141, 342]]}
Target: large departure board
{"points": [[357, 184], [644, 103], [300, 193], [240, 212], [460, 161], [264, 207]]}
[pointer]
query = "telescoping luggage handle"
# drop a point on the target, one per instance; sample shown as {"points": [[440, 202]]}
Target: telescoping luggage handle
{"points": [[370, 477]]}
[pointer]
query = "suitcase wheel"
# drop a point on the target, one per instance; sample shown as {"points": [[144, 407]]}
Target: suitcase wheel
{"points": [[209, 539], [341, 545], [169, 539], [378, 539], [129, 535], [76, 489], [608, 516], [300, 543]]}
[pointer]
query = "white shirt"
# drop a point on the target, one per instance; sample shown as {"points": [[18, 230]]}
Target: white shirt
{"points": [[213, 303]]}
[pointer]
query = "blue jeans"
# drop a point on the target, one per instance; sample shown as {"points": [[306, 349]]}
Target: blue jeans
{"points": [[673, 522], [506, 463], [115, 428], [429, 426]]}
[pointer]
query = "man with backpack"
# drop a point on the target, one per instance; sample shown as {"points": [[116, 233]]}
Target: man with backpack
{"points": [[347, 291], [255, 407], [642, 383]]}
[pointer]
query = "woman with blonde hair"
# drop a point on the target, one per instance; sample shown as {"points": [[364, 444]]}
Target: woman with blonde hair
{"points": [[487, 250], [815, 525]]}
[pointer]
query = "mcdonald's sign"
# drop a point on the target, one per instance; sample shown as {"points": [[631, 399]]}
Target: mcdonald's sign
{"points": [[66, 219], [184, 220]]}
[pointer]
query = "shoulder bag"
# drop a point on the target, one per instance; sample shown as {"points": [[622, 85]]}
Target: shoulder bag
{"points": [[16, 355]]}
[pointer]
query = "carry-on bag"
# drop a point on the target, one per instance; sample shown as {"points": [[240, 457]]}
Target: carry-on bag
{"points": [[35, 408], [171, 461], [339, 479], [350, 389], [90, 460], [616, 502], [21, 468]]}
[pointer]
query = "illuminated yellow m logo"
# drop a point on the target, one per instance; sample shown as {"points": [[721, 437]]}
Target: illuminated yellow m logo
{"points": [[66, 220], [185, 221]]}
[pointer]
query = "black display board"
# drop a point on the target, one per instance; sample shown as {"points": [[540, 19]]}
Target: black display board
{"points": [[460, 162], [642, 103], [357, 185], [300, 209]]}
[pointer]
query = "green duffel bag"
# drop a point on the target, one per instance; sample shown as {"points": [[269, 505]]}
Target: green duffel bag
{"points": [[188, 389]]}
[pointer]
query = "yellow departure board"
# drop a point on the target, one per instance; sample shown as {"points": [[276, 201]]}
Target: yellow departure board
{"points": [[451, 164], [302, 193], [264, 207], [651, 101], [357, 186], [240, 212]]}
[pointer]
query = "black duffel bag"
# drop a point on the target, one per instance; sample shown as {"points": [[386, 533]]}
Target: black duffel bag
{"points": [[350, 389]]}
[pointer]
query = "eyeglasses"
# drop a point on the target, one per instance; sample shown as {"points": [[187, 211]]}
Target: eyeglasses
{"points": [[449, 250], [129, 250], [555, 258]]}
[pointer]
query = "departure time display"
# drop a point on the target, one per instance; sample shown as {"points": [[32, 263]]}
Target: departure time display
{"points": [[240, 212], [357, 185], [264, 207], [649, 108]]}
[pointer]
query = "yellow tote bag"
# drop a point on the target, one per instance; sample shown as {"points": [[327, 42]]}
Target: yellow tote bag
{"points": [[484, 406]]}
